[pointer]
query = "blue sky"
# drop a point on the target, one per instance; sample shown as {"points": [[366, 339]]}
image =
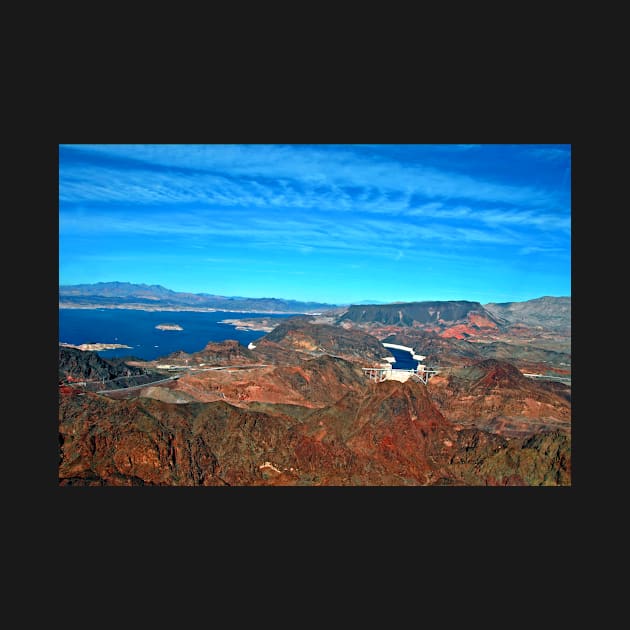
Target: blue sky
{"points": [[334, 223]]}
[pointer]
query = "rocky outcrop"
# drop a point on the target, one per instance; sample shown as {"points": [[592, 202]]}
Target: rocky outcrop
{"points": [[298, 410], [389, 434], [300, 334], [494, 395], [148, 442], [313, 383], [81, 365], [228, 352], [488, 459]]}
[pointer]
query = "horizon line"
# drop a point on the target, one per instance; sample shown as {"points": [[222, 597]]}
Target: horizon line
{"points": [[361, 302]]}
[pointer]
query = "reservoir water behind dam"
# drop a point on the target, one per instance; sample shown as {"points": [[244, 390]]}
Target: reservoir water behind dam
{"points": [[138, 330]]}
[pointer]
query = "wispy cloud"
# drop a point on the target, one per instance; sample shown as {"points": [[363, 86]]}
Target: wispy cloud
{"points": [[268, 175], [343, 210], [535, 249], [494, 217], [312, 233], [552, 154]]}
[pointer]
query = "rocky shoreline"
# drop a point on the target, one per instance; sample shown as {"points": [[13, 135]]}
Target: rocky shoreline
{"points": [[174, 309], [95, 346], [253, 324]]}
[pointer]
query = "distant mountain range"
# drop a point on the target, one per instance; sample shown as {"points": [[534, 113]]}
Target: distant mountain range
{"points": [[552, 313], [156, 297]]}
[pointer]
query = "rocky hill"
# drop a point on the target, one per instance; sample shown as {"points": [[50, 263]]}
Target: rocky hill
{"points": [[551, 313], [297, 409], [314, 382], [495, 396], [81, 365], [390, 434], [301, 334], [228, 352]]}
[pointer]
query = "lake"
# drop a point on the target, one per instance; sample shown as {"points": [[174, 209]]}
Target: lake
{"points": [[137, 329]]}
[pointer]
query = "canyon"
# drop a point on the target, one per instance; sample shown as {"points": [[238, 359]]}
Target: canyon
{"points": [[297, 408]]}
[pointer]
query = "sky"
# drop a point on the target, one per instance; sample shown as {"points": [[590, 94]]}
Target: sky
{"points": [[334, 223]]}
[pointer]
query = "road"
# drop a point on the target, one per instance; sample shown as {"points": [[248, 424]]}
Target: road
{"points": [[562, 379], [183, 370], [194, 368], [126, 389]]}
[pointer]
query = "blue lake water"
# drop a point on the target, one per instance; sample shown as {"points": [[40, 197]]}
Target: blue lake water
{"points": [[138, 330], [403, 360]]}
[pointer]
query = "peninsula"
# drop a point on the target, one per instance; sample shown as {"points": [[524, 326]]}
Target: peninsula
{"points": [[263, 324], [95, 346]]}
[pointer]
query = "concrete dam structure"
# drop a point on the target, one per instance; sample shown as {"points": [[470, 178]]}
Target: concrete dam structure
{"points": [[402, 365]]}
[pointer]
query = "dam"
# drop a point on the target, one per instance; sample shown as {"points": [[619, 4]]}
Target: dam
{"points": [[402, 365]]}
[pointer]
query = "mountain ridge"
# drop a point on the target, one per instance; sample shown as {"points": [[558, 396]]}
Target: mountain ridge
{"points": [[128, 294], [297, 409], [553, 313], [425, 312]]}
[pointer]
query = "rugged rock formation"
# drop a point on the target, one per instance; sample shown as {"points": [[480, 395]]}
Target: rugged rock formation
{"points": [[552, 313], [298, 410], [314, 382], [391, 434], [301, 334], [495, 396], [80, 365], [278, 353], [108, 442], [228, 352]]}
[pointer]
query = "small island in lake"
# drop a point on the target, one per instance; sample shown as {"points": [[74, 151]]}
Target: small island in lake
{"points": [[169, 327]]}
